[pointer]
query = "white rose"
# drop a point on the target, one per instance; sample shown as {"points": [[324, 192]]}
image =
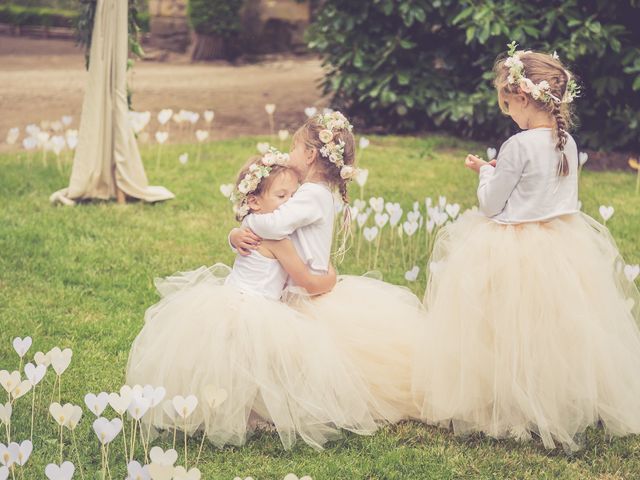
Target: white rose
{"points": [[243, 187], [347, 172], [326, 136], [269, 159]]}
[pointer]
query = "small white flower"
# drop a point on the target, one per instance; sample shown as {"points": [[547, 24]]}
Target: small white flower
{"points": [[326, 136]]}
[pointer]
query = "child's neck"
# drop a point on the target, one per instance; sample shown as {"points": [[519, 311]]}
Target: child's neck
{"points": [[315, 177], [539, 120]]}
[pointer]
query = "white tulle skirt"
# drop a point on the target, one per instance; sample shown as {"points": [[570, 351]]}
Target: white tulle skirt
{"points": [[375, 323], [532, 329], [270, 361]]}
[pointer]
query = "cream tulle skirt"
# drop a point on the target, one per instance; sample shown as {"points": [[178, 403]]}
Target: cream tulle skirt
{"points": [[375, 324], [531, 328], [270, 361]]}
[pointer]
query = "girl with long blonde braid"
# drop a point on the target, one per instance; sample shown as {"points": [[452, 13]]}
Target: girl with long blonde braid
{"points": [[532, 326]]}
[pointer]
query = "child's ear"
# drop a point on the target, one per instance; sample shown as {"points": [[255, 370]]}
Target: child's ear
{"points": [[253, 203], [523, 99], [310, 155]]}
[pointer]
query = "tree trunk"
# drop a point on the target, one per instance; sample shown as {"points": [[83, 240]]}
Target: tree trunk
{"points": [[209, 47]]}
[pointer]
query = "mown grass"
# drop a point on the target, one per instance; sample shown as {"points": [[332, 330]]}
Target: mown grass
{"points": [[82, 278]]}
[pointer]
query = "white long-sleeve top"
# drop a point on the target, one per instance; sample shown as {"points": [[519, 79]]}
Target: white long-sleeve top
{"points": [[307, 218], [525, 186]]}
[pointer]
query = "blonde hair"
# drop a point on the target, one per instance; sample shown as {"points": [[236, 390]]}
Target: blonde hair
{"points": [[541, 67], [309, 135]]}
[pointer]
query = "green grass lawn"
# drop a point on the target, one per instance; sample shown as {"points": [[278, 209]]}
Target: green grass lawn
{"points": [[82, 278]]}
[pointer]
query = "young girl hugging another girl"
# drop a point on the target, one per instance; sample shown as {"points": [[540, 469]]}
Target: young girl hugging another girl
{"points": [[373, 322], [232, 334], [532, 327]]}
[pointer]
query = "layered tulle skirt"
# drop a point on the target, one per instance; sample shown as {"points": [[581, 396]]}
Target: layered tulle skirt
{"points": [[269, 361], [531, 329], [374, 323]]}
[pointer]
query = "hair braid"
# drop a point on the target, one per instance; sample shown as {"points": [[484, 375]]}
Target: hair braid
{"points": [[561, 134]]}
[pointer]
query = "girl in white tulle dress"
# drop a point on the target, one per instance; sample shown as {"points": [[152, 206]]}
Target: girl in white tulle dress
{"points": [[532, 326], [221, 336], [373, 322]]}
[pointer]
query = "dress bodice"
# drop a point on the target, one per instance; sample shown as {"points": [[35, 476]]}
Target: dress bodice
{"points": [[258, 274]]}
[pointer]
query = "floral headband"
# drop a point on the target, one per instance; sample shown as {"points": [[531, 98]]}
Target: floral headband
{"points": [[332, 150], [249, 184], [539, 91]]}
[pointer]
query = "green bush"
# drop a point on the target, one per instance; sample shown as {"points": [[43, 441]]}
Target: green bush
{"points": [[215, 17], [405, 65], [18, 15]]}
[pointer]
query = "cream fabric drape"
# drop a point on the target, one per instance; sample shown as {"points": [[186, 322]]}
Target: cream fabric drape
{"points": [[107, 154]]}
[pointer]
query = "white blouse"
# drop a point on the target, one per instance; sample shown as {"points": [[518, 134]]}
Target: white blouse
{"points": [[525, 186], [307, 218], [258, 274]]}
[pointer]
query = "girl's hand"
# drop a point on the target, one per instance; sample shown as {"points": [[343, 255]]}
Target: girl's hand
{"points": [[475, 163], [244, 240]]}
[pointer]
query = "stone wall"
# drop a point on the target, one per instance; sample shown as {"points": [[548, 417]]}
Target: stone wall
{"points": [[168, 25], [268, 26]]}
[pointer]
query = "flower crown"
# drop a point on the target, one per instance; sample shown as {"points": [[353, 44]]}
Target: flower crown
{"points": [[331, 150], [258, 171], [539, 91]]}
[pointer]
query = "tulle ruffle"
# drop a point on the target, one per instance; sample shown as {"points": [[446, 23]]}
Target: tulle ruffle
{"points": [[271, 361], [531, 328]]}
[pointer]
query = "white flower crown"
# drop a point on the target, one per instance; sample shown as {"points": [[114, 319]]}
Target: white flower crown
{"points": [[249, 184], [538, 91], [334, 151]]}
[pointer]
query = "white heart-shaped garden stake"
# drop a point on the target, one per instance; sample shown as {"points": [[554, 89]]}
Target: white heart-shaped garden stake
{"points": [[161, 472], [6, 457], [74, 419], [631, 272], [21, 389], [42, 359], [61, 413], [185, 405], [413, 216], [283, 135], [377, 204], [410, 228], [363, 143], [263, 147], [440, 218], [161, 137], [120, 402], [310, 111], [395, 217], [202, 135], [582, 158], [163, 457], [214, 396], [22, 345], [183, 158], [360, 204], [370, 234], [412, 274], [270, 108], [606, 212], [362, 219], [5, 413], [209, 115], [137, 472], [293, 476], [96, 403], [491, 153], [60, 359], [180, 473], [453, 210], [9, 381], [20, 453], [227, 189], [35, 374], [381, 219], [155, 395], [362, 175], [138, 407], [107, 430], [431, 224], [164, 116], [60, 472], [4, 473]]}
